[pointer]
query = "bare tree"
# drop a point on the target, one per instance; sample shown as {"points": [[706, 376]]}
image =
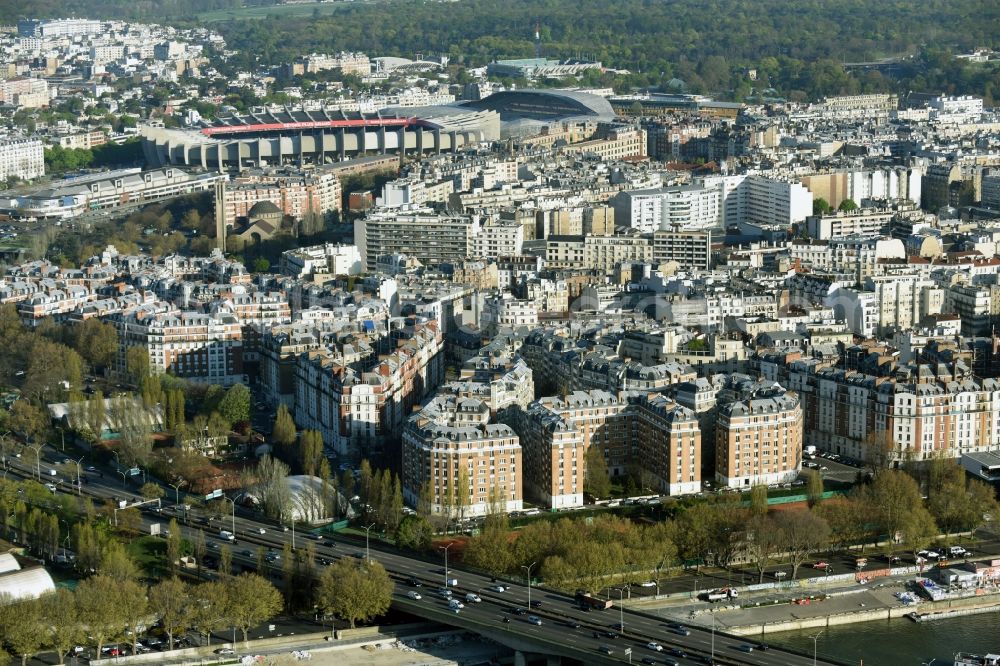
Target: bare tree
{"points": [[269, 484]]}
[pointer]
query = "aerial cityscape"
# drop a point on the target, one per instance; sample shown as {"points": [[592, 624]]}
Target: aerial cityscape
{"points": [[526, 333]]}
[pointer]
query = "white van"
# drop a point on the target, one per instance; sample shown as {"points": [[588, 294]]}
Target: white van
{"points": [[226, 535]]}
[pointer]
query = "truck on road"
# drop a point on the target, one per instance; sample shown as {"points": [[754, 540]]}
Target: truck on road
{"points": [[589, 600]]}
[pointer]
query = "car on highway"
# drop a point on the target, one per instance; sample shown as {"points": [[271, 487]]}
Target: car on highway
{"points": [[247, 553], [648, 660], [455, 603], [413, 594], [822, 566], [611, 634], [653, 645], [51, 486], [534, 619], [671, 662], [518, 611], [648, 583], [745, 647], [413, 582], [474, 598], [444, 592], [606, 649], [536, 603], [261, 530], [617, 626], [573, 624], [677, 652], [498, 588], [681, 630], [324, 561]]}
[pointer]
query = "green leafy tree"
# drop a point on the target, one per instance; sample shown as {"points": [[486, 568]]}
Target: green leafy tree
{"points": [[137, 363], [62, 621], [814, 487], [98, 601], [597, 480], [97, 342], [235, 405], [355, 590], [311, 451], [169, 600], [23, 628], [821, 206], [252, 599], [415, 533], [211, 608], [29, 420], [847, 205], [283, 433], [758, 500]]}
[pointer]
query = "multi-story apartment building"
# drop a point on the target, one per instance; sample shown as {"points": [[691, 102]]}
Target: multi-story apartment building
{"points": [[691, 250], [455, 457], [359, 406], [649, 433], [843, 224], [296, 195], [918, 412], [21, 158], [422, 234], [193, 345], [499, 380], [599, 253], [498, 239], [679, 208], [25, 92], [328, 259], [348, 63], [758, 434], [619, 143]]}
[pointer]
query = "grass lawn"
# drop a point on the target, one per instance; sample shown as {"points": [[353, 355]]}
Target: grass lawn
{"points": [[150, 553]]}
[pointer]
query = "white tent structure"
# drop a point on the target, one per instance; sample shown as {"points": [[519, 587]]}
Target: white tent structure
{"points": [[25, 584]]}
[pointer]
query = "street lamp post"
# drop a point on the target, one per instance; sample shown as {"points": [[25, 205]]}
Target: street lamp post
{"points": [[233, 502], [445, 549], [814, 639], [177, 490], [38, 459], [621, 609], [528, 568], [79, 486], [367, 555]]}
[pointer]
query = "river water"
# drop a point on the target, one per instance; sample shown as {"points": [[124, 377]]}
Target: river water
{"points": [[900, 642]]}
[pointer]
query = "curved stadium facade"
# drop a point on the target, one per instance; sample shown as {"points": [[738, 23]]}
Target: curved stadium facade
{"points": [[299, 137], [313, 137]]}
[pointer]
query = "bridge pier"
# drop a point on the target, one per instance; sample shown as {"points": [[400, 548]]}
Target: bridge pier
{"points": [[522, 658]]}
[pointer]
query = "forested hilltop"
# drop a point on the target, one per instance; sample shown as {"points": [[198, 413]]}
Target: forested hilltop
{"points": [[797, 46]]}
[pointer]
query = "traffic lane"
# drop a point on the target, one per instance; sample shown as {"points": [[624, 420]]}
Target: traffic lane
{"points": [[547, 633], [636, 624]]}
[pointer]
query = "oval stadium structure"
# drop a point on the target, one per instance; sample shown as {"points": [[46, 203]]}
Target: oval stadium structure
{"points": [[299, 137]]}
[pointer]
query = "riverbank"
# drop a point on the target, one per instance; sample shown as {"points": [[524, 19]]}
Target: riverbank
{"points": [[841, 607]]}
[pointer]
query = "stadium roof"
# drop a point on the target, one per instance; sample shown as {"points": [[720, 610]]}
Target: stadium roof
{"points": [[545, 104]]}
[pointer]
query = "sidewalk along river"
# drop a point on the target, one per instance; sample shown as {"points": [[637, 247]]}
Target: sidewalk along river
{"points": [[899, 642]]}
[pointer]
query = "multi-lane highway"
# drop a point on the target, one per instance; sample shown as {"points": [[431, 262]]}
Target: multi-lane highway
{"points": [[560, 627]]}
